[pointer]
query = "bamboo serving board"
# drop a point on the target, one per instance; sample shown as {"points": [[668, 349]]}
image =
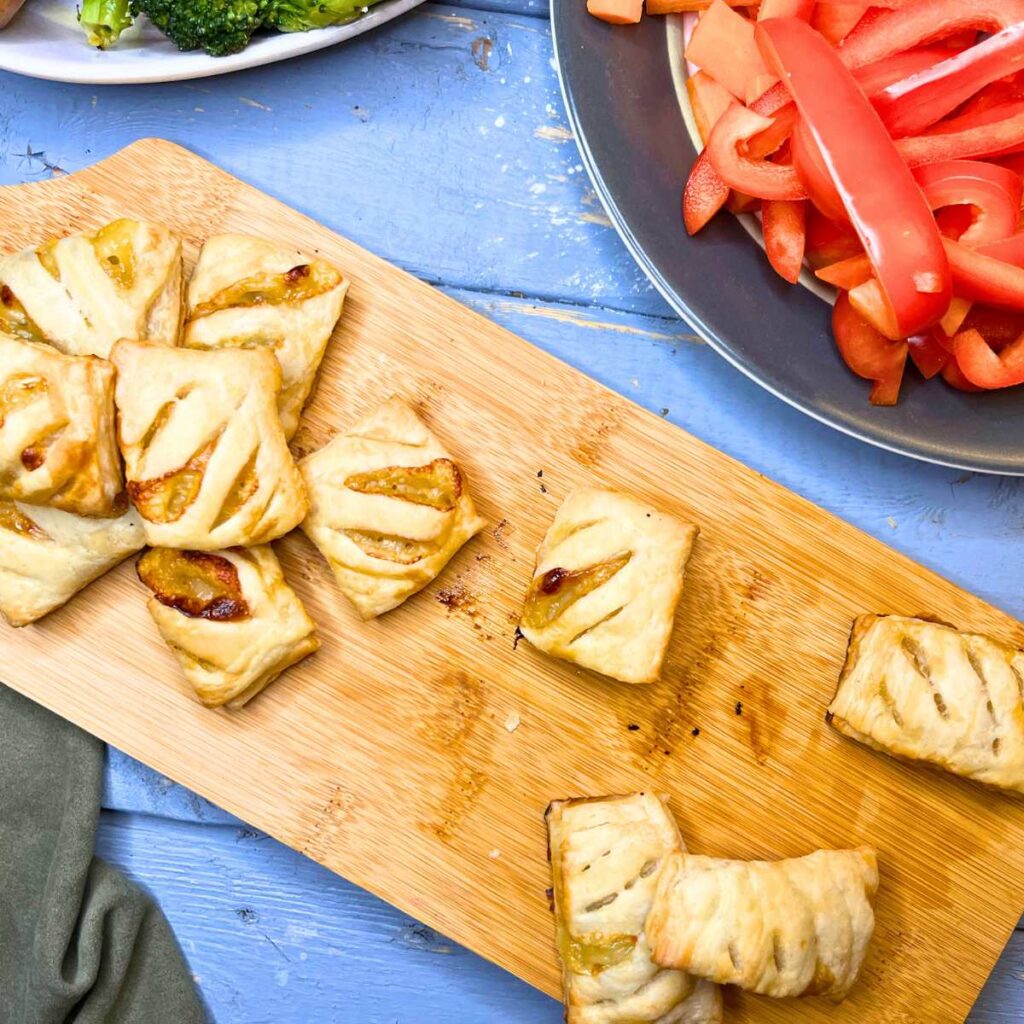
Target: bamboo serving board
{"points": [[393, 756]]}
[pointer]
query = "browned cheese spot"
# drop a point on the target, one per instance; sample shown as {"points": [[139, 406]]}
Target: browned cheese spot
{"points": [[198, 584], [166, 498], [15, 521], [552, 593], [437, 485], [301, 282]]}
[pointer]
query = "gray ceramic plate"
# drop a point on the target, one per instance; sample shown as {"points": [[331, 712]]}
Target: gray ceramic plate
{"points": [[623, 107]]}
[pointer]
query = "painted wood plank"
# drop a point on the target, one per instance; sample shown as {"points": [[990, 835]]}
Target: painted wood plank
{"points": [[444, 110]]}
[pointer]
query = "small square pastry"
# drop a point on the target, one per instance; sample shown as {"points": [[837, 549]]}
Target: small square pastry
{"points": [[247, 292], [232, 621], [84, 292], [47, 556], [606, 856], [207, 463], [926, 692], [388, 507], [608, 578], [58, 442], [781, 928]]}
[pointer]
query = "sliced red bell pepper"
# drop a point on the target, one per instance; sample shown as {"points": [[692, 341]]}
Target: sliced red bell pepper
{"points": [[867, 353], [709, 101], [1009, 249], [881, 198], [986, 368], [925, 21], [984, 278], [812, 171], [954, 317], [953, 221], [829, 241], [705, 194], [873, 78], [785, 233], [993, 132], [1014, 161], [756, 177], [740, 202], [723, 45], [785, 9], [871, 304], [930, 356], [909, 106], [846, 274], [996, 94], [954, 377], [995, 192], [997, 326], [836, 21]]}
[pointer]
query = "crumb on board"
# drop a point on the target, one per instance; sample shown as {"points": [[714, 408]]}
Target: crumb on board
{"points": [[512, 721], [632, 727], [892, 522], [695, 731], [739, 707], [494, 854]]}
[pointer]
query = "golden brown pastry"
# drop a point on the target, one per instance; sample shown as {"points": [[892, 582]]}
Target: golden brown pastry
{"points": [[58, 444], [207, 463], [47, 556], [607, 854], [248, 292], [388, 507], [781, 928], [232, 621], [84, 292], [608, 578], [926, 692]]}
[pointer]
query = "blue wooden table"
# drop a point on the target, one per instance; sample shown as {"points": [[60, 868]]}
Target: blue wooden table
{"points": [[440, 143]]}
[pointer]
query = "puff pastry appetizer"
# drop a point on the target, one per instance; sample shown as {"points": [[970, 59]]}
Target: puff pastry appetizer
{"points": [[924, 691], [606, 856], [388, 507], [47, 556], [247, 292], [781, 928], [232, 621], [84, 292], [58, 443], [608, 578], [207, 462]]}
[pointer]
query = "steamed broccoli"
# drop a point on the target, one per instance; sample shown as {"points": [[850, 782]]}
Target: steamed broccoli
{"points": [[219, 27], [301, 15], [104, 21]]}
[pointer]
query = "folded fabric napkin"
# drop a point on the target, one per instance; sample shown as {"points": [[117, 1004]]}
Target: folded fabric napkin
{"points": [[79, 943]]}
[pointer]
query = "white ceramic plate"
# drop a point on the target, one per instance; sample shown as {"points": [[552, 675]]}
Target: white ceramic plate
{"points": [[44, 41]]}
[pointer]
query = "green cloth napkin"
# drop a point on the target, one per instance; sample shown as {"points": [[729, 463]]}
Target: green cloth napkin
{"points": [[78, 942]]}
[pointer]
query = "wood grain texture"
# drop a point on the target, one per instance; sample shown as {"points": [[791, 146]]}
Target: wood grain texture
{"points": [[385, 757]]}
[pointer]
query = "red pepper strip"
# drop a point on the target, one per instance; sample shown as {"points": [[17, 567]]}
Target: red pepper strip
{"points": [[741, 172], [1015, 162], [784, 226], [917, 102], [997, 326], [954, 377], [983, 278], [928, 353], [836, 21], [846, 274], [875, 77], [953, 221], [868, 353], [994, 191], [723, 45], [924, 22], [953, 318], [829, 241], [705, 194], [871, 304], [708, 101], [739, 202], [785, 9], [986, 368], [881, 198], [1009, 249], [810, 166], [956, 140], [995, 95]]}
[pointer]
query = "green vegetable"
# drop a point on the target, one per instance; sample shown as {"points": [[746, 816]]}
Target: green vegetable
{"points": [[302, 15], [104, 21], [219, 27]]}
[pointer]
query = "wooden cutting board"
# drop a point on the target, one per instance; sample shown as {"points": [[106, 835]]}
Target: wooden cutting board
{"points": [[393, 755]]}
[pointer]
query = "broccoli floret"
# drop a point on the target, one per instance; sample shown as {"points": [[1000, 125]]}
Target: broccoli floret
{"points": [[104, 21], [219, 27], [301, 15]]}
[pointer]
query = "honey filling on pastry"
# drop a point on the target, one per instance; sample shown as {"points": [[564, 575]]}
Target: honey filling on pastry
{"points": [[115, 251], [302, 282], [438, 484], [12, 519], [553, 593], [390, 548], [165, 499], [594, 953], [14, 320], [20, 390], [47, 256], [246, 484], [198, 584]]}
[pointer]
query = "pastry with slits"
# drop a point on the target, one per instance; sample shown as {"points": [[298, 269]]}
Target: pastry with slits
{"points": [[608, 578], [58, 442], [388, 507], [84, 292], [48, 556], [781, 928], [207, 463], [249, 293], [924, 691], [606, 855], [230, 618]]}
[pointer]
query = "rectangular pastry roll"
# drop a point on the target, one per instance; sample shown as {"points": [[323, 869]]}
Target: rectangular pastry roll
{"points": [[606, 855], [609, 575], [388, 507], [230, 618], [47, 556], [248, 292], [84, 292], [924, 691], [207, 463], [781, 928], [58, 443]]}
